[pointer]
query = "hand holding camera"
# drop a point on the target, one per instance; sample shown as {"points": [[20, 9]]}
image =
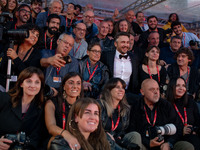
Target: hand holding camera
{"points": [[5, 143]]}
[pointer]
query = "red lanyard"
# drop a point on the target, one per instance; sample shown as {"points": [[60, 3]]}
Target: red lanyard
{"points": [[188, 71], [185, 114], [64, 117], [77, 49], [25, 112], [57, 71], [118, 119], [184, 40], [45, 40], [157, 72], [15, 26], [147, 117], [91, 75], [67, 23]]}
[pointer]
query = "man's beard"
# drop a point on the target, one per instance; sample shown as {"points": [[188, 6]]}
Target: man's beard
{"points": [[53, 32]]}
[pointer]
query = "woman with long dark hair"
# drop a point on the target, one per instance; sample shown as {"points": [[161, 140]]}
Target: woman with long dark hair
{"points": [[84, 123], [21, 108], [116, 113], [57, 108], [186, 109]]}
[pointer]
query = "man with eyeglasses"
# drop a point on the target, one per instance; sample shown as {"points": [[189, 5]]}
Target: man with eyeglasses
{"points": [[88, 20], [79, 50], [23, 14], [57, 62]]}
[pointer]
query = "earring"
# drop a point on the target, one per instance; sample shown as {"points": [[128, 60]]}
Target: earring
{"points": [[64, 95]]}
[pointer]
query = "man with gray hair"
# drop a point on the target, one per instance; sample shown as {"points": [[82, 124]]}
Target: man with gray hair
{"points": [[57, 62], [55, 7], [88, 20]]}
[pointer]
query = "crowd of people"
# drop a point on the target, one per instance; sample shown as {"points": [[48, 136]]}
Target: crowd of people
{"points": [[76, 82]]}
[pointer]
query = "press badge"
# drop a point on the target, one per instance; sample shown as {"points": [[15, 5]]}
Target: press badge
{"points": [[13, 79], [57, 79]]}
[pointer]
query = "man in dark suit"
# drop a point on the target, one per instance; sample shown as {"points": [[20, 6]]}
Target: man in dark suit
{"points": [[121, 63]]}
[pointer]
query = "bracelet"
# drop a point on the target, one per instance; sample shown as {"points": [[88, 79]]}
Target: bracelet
{"points": [[62, 132]]}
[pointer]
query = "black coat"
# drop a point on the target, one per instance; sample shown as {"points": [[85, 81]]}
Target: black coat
{"points": [[165, 115], [173, 72], [12, 122], [108, 59]]}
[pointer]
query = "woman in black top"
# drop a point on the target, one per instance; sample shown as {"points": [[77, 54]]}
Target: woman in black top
{"points": [[57, 109], [151, 67], [21, 109], [22, 55], [186, 109]]}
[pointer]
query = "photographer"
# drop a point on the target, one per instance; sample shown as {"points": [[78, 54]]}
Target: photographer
{"points": [[57, 62], [22, 110], [115, 116], [186, 110], [94, 73], [151, 111], [195, 47], [22, 55]]}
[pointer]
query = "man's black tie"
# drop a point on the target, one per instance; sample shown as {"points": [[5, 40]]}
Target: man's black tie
{"points": [[121, 56]]}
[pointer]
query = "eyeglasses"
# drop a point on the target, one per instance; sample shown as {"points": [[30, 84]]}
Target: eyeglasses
{"points": [[25, 11], [96, 51], [84, 30], [67, 43], [89, 17]]}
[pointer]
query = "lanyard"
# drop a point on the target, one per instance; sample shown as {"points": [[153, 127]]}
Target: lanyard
{"points": [[184, 39], [118, 119], [185, 114], [57, 71], [15, 26], [157, 72], [63, 116], [147, 117], [67, 23], [188, 72], [77, 49], [91, 75], [25, 112], [45, 40]]}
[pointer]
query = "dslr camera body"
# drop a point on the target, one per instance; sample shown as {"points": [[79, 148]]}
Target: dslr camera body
{"points": [[20, 141], [160, 131]]}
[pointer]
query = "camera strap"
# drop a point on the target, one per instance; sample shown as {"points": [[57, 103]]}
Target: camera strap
{"points": [[91, 75], [185, 114], [147, 117], [188, 74], [157, 72], [118, 119]]}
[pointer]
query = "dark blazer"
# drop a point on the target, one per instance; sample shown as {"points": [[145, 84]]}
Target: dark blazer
{"points": [[11, 121], [108, 58]]}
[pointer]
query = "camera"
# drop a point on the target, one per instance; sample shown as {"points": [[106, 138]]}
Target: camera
{"points": [[195, 129], [68, 59], [160, 131], [193, 43], [20, 141], [14, 35]]}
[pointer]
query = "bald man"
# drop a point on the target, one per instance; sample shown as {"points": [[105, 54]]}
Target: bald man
{"points": [[151, 111], [57, 62]]}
